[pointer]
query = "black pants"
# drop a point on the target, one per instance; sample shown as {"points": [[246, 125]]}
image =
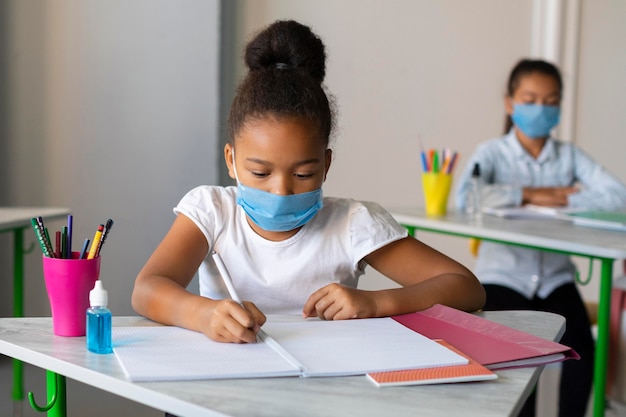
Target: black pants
{"points": [[576, 375]]}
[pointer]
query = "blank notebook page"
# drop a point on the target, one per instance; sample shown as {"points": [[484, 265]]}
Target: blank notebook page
{"points": [[353, 347], [172, 353]]}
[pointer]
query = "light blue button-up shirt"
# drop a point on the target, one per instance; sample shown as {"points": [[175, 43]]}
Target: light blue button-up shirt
{"points": [[506, 168]]}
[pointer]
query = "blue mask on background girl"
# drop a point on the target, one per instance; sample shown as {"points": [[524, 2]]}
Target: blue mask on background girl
{"points": [[277, 213], [535, 120]]}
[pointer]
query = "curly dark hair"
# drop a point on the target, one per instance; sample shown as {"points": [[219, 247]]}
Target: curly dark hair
{"points": [[286, 69]]}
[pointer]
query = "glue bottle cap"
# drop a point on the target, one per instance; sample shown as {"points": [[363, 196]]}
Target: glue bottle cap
{"points": [[98, 297], [476, 171]]}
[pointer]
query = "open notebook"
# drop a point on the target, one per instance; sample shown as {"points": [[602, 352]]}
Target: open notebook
{"points": [[323, 348]]}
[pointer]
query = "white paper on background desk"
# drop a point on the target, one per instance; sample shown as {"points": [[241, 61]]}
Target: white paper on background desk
{"points": [[611, 220], [325, 348], [531, 211]]}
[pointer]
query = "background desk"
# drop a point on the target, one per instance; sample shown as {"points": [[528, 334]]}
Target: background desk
{"points": [[542, 234], [31, 340], [16, 220]]}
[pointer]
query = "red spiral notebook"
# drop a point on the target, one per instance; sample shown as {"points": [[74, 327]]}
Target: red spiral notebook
{"points": [[491, 344], [472, 371]]}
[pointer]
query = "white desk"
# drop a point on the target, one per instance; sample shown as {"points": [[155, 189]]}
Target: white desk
{"points": [[16, 220], [542, 234], [31, 340]]}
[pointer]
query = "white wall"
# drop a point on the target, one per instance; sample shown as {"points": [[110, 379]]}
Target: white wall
{"points": [[113, 110]]}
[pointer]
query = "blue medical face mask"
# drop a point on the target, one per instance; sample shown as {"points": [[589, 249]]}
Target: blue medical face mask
{"points": [[535, 120], [277, 213]]}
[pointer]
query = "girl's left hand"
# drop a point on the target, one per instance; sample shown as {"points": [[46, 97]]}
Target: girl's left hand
{"points": [[338, 302]]}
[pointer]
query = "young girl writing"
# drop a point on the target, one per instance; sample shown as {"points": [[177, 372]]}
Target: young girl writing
{"points": [[528, 166], [287, 249]]}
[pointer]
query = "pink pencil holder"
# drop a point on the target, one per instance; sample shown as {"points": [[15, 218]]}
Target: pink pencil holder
{"points": [[68, 282]]}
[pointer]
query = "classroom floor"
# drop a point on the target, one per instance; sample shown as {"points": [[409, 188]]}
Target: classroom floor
{"points": [[82, 400], [547, 396]]}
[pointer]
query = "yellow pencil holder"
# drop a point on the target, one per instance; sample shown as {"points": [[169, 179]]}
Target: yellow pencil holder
{"points": [[436, 191]]}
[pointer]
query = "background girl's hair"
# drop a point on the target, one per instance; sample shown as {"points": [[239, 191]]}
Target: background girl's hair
{"points": [[286, 67], [526, 67]]}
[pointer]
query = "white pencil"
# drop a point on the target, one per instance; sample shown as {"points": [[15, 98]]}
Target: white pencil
{"points": [[269, 340]]}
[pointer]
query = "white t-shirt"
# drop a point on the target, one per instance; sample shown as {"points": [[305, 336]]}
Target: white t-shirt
{"points": [[279, 276]]}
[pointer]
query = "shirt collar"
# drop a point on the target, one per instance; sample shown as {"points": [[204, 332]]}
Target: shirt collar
{"points": [[547, 153]]}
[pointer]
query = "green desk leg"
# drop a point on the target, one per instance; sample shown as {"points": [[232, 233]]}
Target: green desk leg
{"points": [[59, 409], [18, 304], [57, 403], [602, 345], [18, 308]]}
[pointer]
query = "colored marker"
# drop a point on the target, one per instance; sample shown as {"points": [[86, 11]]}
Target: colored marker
{"points": [[64, 242], [95, 242], [41, 238], [424, 161], [83, 252], [68, 245], [44, 234], [48, 241], [452, 162], [435, 162], [422, 153], [431, 159], [105, 233], [57, 246]]}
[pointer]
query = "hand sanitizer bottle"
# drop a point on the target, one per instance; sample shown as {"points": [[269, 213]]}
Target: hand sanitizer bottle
{"points": [[473, 205], [99, 321]]}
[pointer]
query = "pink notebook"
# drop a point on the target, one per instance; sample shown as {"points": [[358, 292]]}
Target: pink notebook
{"points": [[472, 371], [491, 344]]}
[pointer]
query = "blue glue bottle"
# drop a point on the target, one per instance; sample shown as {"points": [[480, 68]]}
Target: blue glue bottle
{"points": [[99, 321]]}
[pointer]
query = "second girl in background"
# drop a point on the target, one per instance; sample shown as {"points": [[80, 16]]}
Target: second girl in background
{"points": [[529, 166]]}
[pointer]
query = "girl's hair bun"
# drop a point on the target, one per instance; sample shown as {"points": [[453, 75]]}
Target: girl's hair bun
{"points": [[285, 45], [286, 63]]}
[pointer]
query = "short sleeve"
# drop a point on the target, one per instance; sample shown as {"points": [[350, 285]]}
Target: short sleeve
{"points": [[371, 228], [211, 208]]}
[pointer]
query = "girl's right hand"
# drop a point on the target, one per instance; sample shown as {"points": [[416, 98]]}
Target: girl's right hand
{"points": [[547, 196], [227, 321]]}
